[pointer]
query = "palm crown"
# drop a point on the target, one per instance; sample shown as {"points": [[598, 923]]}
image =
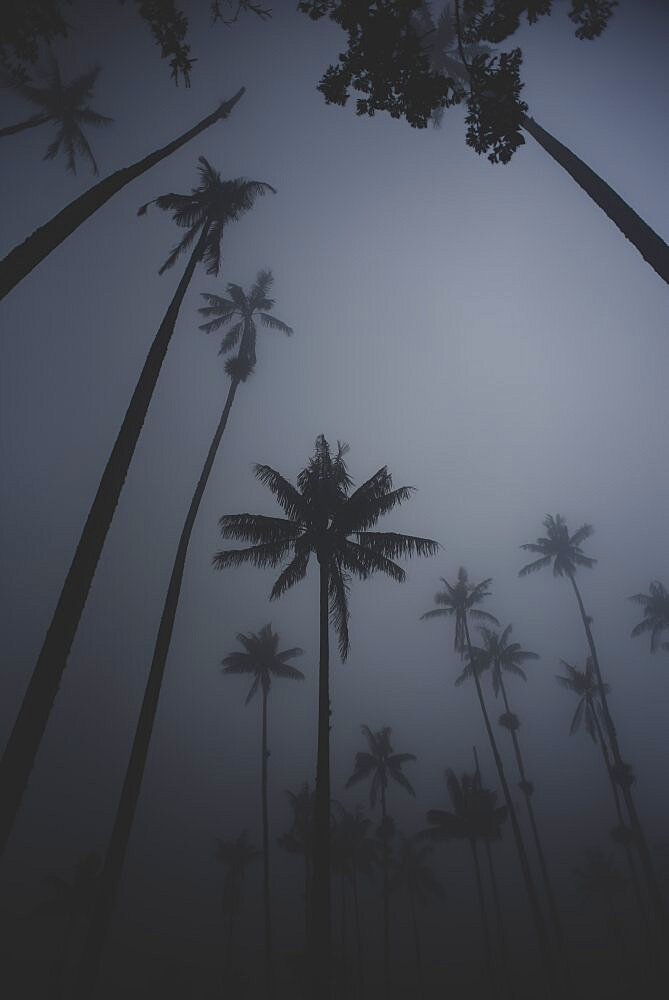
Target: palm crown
{"points": [[475, 815], [210, 206], [353, 849], [584, 684], [262, 658], [557, 546], [412, 869], [237, 855], [65, 105], [498, 654], [298, 838], [380, 763], [327, 519], [241, 310], [656, 614], [459, 600]]}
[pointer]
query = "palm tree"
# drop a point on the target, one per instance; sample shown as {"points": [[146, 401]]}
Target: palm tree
{"points": [[20, 261], [379, 763], [601, 882], [655, 606], [73, 897], [328, 519], [499, 655], [564, 552], [356, 852], [413, 870], [458, 601], [237, 855], [449, 56], [65, 106], [298, 840], [263, 659]]}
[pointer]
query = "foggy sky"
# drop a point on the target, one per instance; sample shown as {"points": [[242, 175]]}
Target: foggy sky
{"points": [[485, 331]]}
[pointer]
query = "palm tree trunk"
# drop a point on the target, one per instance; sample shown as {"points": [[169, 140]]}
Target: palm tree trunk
{"points": [[265, 847], [20, 261], [307, 900], [637, 830], [386, 899], [228, 950], [32, 122], [650, 245], [484, 918], [416, 944], [548, 886], [31, 722], [537, 915], [320, 893], [499, 919], [110, 878], [358, 931]]}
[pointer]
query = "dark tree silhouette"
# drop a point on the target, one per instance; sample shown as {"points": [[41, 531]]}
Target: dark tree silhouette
{"points": [[412, 871], [65, 106], [73, 897], [655, 619], [564, 552], [299, 840], [356, 853], [237, 855], [20, 261], [324, 518], [458, 601], [263, 659], [379, 763]]}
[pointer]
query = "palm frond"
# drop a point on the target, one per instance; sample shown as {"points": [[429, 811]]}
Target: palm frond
{"points": [[258, 528], [294, 572], [288, 497], [275, 324], [261, 556]]}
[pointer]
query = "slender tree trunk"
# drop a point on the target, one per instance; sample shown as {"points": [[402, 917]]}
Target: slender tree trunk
{"points": [[650, 245], [484, 918], [548, 885], [637, 830], [416, 944], [342, 888], [31, 722], [358, 931], [24, 125], [20, 261], [110, 878], [386, 900], [265, 848], [537, 915], [307, 901], [321, 916], [228, 951], [62, 962]]}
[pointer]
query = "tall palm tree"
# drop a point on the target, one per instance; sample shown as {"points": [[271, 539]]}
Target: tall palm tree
{"points": [[64, 105], [237, 856], [262, 658], [73, 897], [459, 601], [446, 55], [20, 261], [655, 619], [357, 854], [326, 518], [413, 871], [565, 553], [499, 655], [298, 840], [379, 763]]}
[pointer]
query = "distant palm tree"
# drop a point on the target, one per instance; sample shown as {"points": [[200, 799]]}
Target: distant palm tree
{"points": [[298, 840], [601, 882], [458, 601], [65, 106], [237, 855], [20, 261], [499, 655], [656, 614], [263, 660], [73, 897], [326, 518], [564, 552], [380, 763], [412, 870], [354, 852]]}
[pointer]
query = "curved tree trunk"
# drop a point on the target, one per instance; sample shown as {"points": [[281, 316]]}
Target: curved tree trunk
{"points": [[23, 126], [20, 261], [386, 899], [265, 848], [18, 758], [537, 915], [358, 931], [416, 944], [637, 830], [320, 892], [110, 878], [650, 245], [484, 918], [548, 885]]}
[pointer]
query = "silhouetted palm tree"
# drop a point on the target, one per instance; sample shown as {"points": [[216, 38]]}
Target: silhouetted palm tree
{"points": [[298, 840], [325, 518], [412, 870], [20, 261], [237, 855], [379, 763], [356, 853], [458, 601], [655, 619], [564, 552], [601, 882], [499, 655], [263, 659], [73, 897], [65, 106]]}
